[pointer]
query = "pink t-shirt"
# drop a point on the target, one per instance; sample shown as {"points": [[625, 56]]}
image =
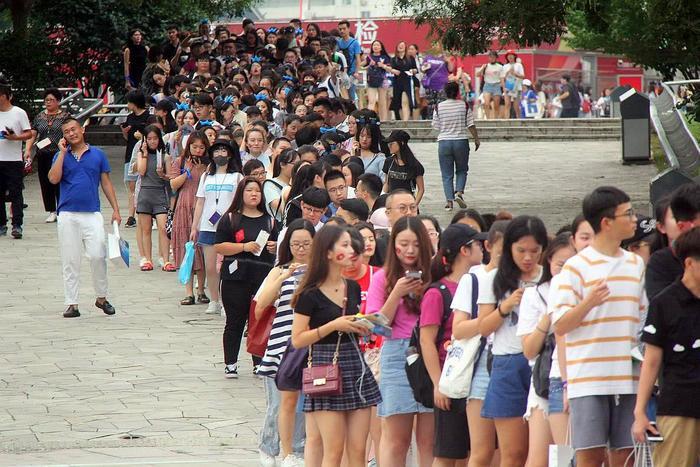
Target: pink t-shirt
{"points": [[404, 320], [431, 309]]}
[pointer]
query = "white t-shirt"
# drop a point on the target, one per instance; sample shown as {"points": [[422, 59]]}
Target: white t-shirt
{"points": [[492, 73], [532, 307], [518, 68], [217, 191], [263, 157], [505, 340], [16, 120]]}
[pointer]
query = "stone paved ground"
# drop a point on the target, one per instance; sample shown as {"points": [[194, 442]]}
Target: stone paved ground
{"points": [[70, 390]]}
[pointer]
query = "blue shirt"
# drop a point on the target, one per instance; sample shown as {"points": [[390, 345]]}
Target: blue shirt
{"points": [[81, 181], [352, 48]]}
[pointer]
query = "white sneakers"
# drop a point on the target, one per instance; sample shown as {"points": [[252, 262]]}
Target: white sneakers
{"points": [[267, 460], [52, 218], [214, 308], [292, 461]]}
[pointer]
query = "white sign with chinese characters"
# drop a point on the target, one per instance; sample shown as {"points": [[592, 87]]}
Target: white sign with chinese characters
{"points": [[366, 33]]}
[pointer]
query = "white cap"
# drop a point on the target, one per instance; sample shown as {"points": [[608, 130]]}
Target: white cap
{"points": [[527, 82]]}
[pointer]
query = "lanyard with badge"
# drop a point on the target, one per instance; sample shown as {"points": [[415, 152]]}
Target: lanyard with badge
{"points": [[217, 215]]}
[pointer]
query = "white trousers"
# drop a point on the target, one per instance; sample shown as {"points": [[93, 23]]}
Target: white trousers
{"points": [[78, 232]]}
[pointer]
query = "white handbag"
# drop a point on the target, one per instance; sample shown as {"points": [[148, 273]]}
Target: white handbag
{"points": [[117, 247], [456, 377]]}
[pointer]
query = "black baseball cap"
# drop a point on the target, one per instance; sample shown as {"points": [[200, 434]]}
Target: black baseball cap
{"points": [[455, 236], [221, 143], [645, 226], [398, 136]]}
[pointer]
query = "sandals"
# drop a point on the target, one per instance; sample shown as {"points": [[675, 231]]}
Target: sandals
{"points": [[147, 266], [187, 300], [169, 267], [202, 298]]}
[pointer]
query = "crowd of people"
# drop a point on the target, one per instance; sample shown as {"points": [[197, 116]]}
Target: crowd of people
{"points": [[294, 217]]}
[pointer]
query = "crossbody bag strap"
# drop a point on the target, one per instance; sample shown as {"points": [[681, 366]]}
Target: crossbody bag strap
{"points": [[340, 333]]}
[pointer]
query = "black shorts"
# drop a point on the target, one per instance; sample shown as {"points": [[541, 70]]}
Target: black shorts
{"points": [[451, 431]]}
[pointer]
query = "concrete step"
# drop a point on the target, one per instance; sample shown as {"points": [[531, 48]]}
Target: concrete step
{"points": [[528, 123]]}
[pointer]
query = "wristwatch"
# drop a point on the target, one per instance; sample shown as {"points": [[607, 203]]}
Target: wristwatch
{"points": [[503, 315]]}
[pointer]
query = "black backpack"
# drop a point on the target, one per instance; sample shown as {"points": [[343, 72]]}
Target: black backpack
{"points": [[416, 372], [543, 363]]}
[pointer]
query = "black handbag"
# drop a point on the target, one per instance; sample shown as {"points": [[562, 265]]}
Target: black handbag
{"points": [[543, 364], [416, 372]]}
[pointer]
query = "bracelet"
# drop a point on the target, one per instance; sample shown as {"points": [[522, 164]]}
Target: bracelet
{"points": [[541, 330], [501, 314], [318, 331]]}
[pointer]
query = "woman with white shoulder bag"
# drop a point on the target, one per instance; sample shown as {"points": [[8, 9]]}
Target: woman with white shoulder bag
{"points": [[460, 249]]}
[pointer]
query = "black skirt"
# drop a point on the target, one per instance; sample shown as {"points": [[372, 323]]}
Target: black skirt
{"points": [[360, 389]]}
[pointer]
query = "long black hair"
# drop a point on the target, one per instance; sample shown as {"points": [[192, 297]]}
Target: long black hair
{"points": [[508, 275], [408, 158], [288, 156], [284, 255], [304, 178]]}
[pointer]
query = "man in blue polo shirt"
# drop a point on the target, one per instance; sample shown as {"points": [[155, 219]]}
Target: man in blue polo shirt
{"points": [[81, 169]]}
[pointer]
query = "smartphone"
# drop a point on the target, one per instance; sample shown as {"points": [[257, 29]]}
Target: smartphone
{"points": [[414, 275], [652, 438]]}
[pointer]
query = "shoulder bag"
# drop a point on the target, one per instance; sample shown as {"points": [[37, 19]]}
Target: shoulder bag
{"points": [[462, 357], [324, 380]]}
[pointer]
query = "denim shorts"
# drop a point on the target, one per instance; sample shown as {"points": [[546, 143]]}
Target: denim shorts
{"points": [[480, 381], [397, 396], [556, 396], [127, 177], [493, 88], [206, 238], [506, 396]]}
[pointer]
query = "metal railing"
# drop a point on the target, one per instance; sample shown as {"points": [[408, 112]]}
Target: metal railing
{"points": [[76, 104], [679, 144]]}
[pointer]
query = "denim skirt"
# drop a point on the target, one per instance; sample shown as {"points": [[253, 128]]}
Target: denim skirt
{"points": [[506, 396], [397, 396]]}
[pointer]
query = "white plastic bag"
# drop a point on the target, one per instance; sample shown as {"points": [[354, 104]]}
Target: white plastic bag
{"points": [[117, 247], [456, 377], [562, 455]]}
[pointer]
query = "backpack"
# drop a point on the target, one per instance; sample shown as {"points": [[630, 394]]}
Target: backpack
{"points": [[346, 52], [416, 372]]}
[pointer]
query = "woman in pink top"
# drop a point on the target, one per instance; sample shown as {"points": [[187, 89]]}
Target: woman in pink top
{"points": [[396, 292]]}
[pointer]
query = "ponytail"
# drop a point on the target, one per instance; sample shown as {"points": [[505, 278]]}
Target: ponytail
{"points": [[441, 265]]}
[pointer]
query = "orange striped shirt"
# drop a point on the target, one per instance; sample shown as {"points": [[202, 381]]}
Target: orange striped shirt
{"points": [[598, 350]]}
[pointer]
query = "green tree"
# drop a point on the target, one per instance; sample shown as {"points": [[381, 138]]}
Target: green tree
{"points": [[72, 40], [660, 34], [470, 26]]}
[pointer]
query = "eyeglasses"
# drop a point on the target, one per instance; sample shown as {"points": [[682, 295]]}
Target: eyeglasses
{"points": [[311, 210], [300, 245], [433, 234], [338, 189], [403, 209], [630, 213], [258, 173]]}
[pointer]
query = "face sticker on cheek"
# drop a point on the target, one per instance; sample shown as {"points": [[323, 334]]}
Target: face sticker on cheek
{"points": [[398, 251], [340, 256]]}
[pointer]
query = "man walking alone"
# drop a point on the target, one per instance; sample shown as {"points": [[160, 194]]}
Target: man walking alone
{"points": [[81, 169]]}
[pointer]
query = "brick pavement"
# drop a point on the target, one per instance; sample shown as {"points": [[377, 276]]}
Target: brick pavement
{"points": [[70, 390]]}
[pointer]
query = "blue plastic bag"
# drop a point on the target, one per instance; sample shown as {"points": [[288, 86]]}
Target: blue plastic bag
{"points": [[185, 271]]}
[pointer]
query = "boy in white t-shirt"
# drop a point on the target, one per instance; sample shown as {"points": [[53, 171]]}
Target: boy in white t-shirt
{"points": [[14, 128], [598, 306]]}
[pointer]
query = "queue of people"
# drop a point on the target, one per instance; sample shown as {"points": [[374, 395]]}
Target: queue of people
{"points": [[306, 226]]}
